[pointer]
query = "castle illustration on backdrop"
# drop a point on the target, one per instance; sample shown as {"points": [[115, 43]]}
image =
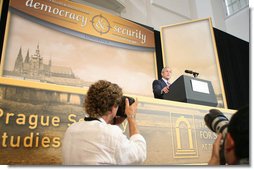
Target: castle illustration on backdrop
{"points": [[32, 67]]}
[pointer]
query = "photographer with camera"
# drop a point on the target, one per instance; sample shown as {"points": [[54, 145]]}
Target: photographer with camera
{"points": [[96, 141], [235, 137]]}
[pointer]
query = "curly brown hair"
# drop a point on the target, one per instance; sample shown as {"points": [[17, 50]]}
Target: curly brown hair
{"points": [[101, 96]]}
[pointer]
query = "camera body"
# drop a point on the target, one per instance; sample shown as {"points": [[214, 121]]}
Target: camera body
{"points": [[121, 108], [218, 123]]}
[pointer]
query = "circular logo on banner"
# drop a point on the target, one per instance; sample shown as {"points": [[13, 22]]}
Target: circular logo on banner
{"points": [[100, 24]]}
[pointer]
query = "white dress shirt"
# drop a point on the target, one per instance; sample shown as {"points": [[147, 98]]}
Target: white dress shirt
{"points": [[166, 81], [98, 143]]}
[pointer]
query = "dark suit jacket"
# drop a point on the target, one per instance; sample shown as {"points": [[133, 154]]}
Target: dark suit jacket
{"points": [[158, 85]]}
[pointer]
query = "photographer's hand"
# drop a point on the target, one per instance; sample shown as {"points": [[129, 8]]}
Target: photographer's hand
{"points": [[131, 114], [215, 158]]}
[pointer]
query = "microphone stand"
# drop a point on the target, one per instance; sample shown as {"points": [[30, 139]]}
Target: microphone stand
{"points": [[195, 74]]}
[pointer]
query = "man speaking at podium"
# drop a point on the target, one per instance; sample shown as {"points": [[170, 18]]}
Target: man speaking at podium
{"points": [[161, 86]]}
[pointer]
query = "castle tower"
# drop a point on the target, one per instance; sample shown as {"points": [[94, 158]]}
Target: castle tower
{"points": [[36, 62], [19, 62], [37, 52], [50, 62]]}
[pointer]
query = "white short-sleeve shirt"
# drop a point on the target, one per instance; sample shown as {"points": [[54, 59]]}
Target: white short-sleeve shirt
{"points": [[98, 143]]}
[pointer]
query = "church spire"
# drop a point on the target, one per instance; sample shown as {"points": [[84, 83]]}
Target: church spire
{"points": [[20, 51], [19, 62], [27, 59]]}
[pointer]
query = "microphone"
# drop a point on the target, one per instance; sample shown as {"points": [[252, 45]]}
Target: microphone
{"points": [[195, 74], [188, 71]]}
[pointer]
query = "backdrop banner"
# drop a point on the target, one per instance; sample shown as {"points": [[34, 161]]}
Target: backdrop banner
{"points": [[33, 122], [68, 44]]}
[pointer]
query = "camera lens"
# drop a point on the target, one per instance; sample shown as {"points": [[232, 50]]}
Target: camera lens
{"points": [[216, 121]]}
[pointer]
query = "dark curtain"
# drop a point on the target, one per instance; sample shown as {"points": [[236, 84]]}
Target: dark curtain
{"points": [[234, 63], [3, 24], [158, 51]]}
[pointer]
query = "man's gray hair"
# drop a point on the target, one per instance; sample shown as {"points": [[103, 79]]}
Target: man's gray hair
{"points": [[164, 69]]}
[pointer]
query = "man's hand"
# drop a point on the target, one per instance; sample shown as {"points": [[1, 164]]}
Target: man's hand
{"points": [[215, 158], [130, 110], [165, 89]]}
